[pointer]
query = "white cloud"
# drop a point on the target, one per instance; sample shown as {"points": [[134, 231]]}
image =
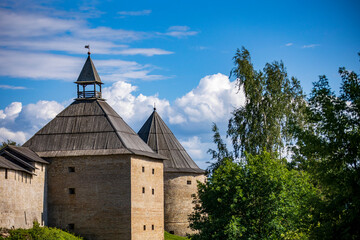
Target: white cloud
{"points": [[212, 100], [11, 112], [135, 13], [66, 68], [19, 137], [289, 44], [20, 24], [134, 109], [180, 31], [12, 87], [311, 46], [18, 122], [144, 51], [42, 111], [39, 65]]}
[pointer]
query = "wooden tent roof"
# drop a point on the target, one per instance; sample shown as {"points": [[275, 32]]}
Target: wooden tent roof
{"points": [[88, 127], [88, 73], [160, 138]]}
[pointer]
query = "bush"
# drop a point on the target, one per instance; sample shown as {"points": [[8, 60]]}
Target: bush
{"points": [[39, 233]]}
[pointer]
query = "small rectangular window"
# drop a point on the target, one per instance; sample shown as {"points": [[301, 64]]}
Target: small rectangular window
{"points": [[71, 190], [143, 169], [152, 227], [153, 171], [171, 232], [153, 191], [144, 227], [143, 190], [71, 226], [188, 182], [6, 173], [71, 169]]}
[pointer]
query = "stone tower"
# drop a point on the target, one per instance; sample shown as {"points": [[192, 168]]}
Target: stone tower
{"points": [[180, 174], [104, 182]]}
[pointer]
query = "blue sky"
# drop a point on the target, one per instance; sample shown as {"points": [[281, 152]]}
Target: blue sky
{"points": [[177, 54]]}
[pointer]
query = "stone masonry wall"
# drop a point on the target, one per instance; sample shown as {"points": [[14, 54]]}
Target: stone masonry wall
{"points": [[147, 199], [90, 196], [22, 197], [179, 189]]}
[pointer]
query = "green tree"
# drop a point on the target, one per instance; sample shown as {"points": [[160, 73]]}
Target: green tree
{"points": [[274, 104], [8, 142], [257, 198], [329, 149]]}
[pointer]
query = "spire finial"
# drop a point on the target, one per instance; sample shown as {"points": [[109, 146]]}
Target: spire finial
{"points": [[88, 47], [154, 107]]}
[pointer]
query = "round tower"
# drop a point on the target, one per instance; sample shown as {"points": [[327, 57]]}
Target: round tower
{"points": [[180, 174]]}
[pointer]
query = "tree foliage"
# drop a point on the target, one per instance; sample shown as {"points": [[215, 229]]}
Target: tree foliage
{"points": [[274, 104], [8, 142], [329, 148], [258, 198]]}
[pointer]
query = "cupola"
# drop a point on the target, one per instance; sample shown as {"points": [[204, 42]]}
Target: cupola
{"points": [[88, 82]]}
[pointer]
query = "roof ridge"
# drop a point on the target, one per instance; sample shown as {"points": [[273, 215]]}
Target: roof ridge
{"points": [[112, 125], [163, 141]]}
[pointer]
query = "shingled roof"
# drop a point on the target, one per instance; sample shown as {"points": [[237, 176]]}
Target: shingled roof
{"points": [[19, 159], [88, 127], [88, 73], [160, 138]]}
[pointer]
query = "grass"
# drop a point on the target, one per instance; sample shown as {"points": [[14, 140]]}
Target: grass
{"points": [[169, 236], [47, 233], [37, 233]]}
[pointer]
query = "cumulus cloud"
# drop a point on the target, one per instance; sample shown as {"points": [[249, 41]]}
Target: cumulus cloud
{"points": [[41, 112], [212, 100], [11, 112], [17, 136], [18, 122], [135, 109]]}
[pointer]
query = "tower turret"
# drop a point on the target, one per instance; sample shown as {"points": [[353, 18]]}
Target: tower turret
{"points": [[88, 82]]}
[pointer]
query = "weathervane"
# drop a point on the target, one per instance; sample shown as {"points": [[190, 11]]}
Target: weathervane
{"points": [[88, 47]]}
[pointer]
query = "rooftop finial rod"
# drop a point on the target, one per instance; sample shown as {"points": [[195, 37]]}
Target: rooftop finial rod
{"points": [[88, 47], [154, 107]]}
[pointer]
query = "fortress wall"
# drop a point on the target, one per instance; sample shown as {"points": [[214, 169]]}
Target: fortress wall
{"points": [[90, 196], [178, 200], [147, 209], [22, 197]]}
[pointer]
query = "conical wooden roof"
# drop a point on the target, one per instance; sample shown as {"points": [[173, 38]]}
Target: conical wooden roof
{"points": [[160, 138], [88, 127]]}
